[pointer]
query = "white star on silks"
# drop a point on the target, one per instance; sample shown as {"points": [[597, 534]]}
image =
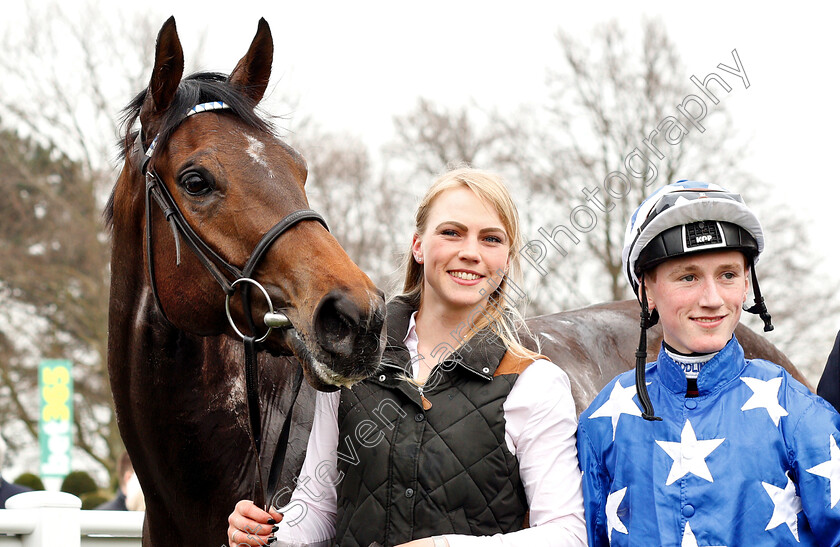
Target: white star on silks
{"points": [[689, 455], [689, 540], [786, 506], [765, 395], [620, 402], [830, 469], [613, 522]]}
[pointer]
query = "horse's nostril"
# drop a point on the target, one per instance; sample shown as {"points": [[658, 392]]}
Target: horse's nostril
{"points": [[336, 324], [376, 320]]}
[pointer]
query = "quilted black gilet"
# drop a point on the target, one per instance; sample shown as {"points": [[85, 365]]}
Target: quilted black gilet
{"points": [[409, 473]]}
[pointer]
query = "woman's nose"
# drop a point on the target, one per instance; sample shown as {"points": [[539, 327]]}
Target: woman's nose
{"points": [[469, 250]]}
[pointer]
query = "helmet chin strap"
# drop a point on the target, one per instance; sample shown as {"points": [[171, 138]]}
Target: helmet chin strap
{"points": [[647, 320], [650, 318], [759, 308]]}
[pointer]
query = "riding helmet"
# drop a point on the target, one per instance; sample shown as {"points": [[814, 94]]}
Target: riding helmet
{"points": [[678, 219]]}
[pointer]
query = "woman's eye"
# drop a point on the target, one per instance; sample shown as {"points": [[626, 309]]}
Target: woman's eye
{"points": [[449, 233], [493, 239], [195, 184]]}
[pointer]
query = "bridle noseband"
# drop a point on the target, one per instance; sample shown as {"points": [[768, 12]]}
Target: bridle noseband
{"points": [[214, 264]]}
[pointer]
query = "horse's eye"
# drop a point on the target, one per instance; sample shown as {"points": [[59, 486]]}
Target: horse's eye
{"points": [[195, 184]]}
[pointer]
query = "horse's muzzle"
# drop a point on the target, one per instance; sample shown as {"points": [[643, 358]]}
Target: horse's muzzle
{"points": [[348, 335]]}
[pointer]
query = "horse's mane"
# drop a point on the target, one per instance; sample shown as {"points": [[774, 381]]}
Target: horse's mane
{"points": [[198, 88]]}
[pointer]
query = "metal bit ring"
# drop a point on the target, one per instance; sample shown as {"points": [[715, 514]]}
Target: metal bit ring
{"points": [[267, 299]]}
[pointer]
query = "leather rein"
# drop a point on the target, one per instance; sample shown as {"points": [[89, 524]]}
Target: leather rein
{"points": [[215, 264]]}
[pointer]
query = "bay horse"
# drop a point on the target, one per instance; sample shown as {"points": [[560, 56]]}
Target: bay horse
{"points": [[204, 171]]}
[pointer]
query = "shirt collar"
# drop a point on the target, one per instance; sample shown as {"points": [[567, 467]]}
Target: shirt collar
{"points": [[411, 342], [720, 369], [481, 354]]}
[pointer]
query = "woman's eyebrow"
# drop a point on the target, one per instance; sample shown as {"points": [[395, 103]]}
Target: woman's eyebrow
{"points": [[451, 223], [463, 227]]}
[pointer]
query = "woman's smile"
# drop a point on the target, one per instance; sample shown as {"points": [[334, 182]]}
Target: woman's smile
{"points": [[465, 277], [464, 251]]}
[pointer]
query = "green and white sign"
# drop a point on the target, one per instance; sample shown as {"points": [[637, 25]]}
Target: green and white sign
{"points": [[55, 428]]}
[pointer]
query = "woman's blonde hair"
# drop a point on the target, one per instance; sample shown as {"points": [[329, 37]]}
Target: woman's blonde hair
{"points": [[499, 314]]}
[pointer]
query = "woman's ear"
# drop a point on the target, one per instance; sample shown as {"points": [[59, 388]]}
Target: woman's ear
{"points": [[417, 249]]}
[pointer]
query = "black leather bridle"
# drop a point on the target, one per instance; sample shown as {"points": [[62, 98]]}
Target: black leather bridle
{"points": [[214, 264]]}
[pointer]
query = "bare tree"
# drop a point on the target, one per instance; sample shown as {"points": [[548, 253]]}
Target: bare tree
{"points": [[53, 260], [66, 75], [432, 137], [803, 302], [613, 105], [623, 118], [367, 211]]}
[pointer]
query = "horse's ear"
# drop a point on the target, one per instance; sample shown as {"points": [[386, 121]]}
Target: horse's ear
{"points": [[169, 66], [254, 69]]}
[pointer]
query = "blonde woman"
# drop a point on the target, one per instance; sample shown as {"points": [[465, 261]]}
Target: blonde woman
{"points": [[464, 437]]}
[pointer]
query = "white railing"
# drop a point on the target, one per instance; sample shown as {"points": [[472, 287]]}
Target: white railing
{"points": [[55, 519]]}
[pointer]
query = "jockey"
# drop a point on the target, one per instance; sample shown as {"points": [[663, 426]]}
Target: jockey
{"points": [[719, 449]]}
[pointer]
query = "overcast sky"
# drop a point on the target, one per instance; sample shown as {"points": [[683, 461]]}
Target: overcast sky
{"points": [[357, 64]]}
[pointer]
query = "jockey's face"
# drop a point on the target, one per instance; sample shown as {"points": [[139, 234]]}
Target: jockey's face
{"points": [[699, 298]]}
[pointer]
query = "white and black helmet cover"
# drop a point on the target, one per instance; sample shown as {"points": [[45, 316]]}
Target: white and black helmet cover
{"points": [[687, 217]]}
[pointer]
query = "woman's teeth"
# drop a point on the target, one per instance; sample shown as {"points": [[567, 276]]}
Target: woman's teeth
{"points": [[464, 275]]}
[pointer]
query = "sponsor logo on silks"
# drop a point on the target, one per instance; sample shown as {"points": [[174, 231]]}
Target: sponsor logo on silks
{"points": [[691, 370]]}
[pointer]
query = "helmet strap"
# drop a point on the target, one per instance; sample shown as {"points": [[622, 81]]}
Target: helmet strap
{"points": [[641, 357], [759, 308]]}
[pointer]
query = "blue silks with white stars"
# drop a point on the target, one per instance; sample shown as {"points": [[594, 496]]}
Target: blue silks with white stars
{"points": [[754, 460]]}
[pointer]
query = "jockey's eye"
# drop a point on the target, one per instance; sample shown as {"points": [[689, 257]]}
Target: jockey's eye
{"points": [[195, 183]]}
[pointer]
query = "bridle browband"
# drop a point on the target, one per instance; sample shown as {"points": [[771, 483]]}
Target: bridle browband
{"points": [[214, 263]]}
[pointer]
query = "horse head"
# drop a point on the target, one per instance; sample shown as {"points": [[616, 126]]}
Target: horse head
{"points": [[223, 185]]}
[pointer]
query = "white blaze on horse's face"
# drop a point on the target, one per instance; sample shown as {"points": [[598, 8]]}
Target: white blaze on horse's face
{"points": [[256, 150]]}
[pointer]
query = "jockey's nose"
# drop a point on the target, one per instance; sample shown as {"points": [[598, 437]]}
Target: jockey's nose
{"points": [[710, 296]]}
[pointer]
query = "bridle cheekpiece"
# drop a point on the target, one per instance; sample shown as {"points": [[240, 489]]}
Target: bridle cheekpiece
{"points": [[215, 264]]}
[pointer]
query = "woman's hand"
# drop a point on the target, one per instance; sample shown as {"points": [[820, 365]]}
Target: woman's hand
{"points": [[250, 525]]}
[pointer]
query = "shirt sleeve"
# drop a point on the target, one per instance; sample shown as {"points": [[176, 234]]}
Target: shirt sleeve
{"points": [[540, 427], [595, 484], [816, 442], [309, 517]]}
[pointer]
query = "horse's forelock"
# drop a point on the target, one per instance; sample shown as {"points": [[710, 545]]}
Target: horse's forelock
{"points": [[198, 88], [205, 87]]}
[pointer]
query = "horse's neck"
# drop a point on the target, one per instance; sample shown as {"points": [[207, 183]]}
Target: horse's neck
{"points": [[175, 392]]}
